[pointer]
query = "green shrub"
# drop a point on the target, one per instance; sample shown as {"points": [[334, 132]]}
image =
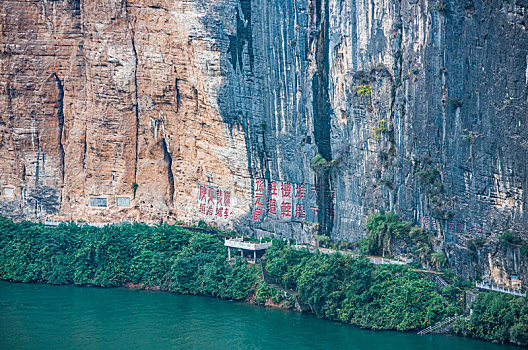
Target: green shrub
{"points": [[499, 318], [519, 333], [336, 287], [318, 162], [380, 229], [428, 175], [509, 237], [439, 260], [322, 240], [134, 187], [381, 127], [354, 291], [363, 90], [167, 256], [265, 292]]}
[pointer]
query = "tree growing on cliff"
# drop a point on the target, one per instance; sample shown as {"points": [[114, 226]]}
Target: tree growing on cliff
{"points": [[135, 187]]}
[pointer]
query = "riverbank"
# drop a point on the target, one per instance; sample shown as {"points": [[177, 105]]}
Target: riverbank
{"points": [[336, 287]]}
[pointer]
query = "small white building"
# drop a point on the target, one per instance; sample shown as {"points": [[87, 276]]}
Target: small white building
{"points": [[239, 244]]}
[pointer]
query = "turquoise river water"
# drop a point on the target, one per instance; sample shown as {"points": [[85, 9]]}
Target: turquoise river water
{"points": [[39, 316]]}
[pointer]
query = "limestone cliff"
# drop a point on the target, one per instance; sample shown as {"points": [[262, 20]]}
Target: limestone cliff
{"points": [[284, 117]]}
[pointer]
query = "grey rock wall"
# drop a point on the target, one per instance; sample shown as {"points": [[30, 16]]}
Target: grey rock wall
{"points": [[417, 107], [440, 139], [448, 86]]}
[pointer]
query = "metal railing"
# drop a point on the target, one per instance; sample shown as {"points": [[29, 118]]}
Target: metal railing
{"points": [[439, 325], [385, 261], [376, 260], [496, 288], [233, 243], [51, 223], [440, 281]]}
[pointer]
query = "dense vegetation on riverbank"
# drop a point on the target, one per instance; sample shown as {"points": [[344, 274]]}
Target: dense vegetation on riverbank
{"points": [[334, 286], [352, 290], [166, 256], [498, 318]]}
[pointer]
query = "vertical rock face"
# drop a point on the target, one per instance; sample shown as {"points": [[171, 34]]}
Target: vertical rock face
{"points": [[441, 137], [112, 99], [419, 107]]}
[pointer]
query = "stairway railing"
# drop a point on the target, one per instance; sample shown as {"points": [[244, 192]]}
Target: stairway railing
{"points": [[496, 288], [438, 325]]}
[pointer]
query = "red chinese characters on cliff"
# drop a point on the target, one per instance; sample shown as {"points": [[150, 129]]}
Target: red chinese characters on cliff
{"points": [[448, 226], [214, 202], [286, 201], [259, 205], [286, 210]]}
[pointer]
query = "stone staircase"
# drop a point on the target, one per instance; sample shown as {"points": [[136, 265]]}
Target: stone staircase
{"points": [[439, 325], [299, 305], [440, 282], [269, 281]]}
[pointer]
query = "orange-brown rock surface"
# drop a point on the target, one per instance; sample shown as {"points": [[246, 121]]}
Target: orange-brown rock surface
{"points": [[286, 117], [96, 96]]}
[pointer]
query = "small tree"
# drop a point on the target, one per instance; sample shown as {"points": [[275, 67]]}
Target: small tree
{"points": [[134, 187], [322, 240]]}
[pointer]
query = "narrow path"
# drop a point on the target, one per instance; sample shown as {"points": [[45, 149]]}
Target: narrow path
{"points": [[270, 282], [377, 260]]}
